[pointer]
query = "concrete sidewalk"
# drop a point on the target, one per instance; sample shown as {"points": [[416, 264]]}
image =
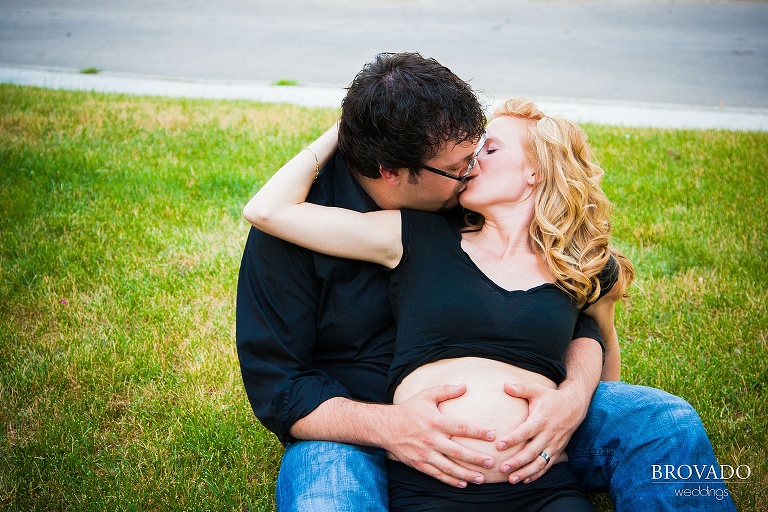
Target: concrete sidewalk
{"points": [[602, 112]]}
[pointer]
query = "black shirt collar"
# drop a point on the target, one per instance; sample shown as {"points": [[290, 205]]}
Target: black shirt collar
{"points": [[336, 186]]}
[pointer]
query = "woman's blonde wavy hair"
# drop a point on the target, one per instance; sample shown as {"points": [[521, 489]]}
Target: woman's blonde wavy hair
{"points": [[570, 227]]}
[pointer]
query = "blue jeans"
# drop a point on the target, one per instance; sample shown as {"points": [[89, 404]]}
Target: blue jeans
{"points": [[318, 476], [640, 444], [635, 443]]}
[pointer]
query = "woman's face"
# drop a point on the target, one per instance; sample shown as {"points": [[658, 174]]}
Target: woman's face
{"points": [[503, 175]]}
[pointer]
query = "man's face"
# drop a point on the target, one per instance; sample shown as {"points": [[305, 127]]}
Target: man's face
{"points": [[431, 191]]}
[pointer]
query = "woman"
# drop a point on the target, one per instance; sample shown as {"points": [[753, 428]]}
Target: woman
{"points": [[492, 303]]}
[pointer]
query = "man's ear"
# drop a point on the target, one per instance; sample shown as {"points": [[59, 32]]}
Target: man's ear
{"points": [[391, 176]]}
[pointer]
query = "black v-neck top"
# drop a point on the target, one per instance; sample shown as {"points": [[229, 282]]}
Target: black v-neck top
{"points": [[446, 307]]}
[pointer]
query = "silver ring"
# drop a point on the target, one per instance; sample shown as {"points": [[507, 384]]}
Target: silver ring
{"points": [[546, 457]]}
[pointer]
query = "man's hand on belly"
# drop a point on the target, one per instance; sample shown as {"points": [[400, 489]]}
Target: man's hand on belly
{"points": [[420, 436]]}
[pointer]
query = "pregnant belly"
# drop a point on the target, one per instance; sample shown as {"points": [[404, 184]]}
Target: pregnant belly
{"points": [[484, 404]]}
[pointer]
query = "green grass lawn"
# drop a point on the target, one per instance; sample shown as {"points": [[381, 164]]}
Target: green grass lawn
{"points": [[120, 242]]}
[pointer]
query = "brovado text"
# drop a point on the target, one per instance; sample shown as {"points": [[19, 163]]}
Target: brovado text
{"points": [[699, 473]]}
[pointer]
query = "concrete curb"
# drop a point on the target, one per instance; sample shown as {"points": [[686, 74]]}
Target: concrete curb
{"points": [[599, 112]]}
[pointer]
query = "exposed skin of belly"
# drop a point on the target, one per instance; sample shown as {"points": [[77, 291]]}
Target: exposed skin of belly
{"points": [[485, 403]]}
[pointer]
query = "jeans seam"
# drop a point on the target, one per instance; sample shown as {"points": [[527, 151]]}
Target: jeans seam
{"points": [[590, 453]]}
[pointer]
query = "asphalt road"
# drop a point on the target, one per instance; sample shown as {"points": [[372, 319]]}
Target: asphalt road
{"points": [[711, 54]]}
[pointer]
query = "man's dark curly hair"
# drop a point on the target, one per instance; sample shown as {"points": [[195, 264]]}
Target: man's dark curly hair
{"points": [[400, 109]]}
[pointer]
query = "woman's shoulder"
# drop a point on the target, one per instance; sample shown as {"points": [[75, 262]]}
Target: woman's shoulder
{"points": [[608, 276], [610, 271]]}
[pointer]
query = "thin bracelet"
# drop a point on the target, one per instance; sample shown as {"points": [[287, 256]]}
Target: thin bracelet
{"points": [[317, 162]]}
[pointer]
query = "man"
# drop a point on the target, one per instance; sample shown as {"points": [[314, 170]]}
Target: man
{"points": [[315, 334]]}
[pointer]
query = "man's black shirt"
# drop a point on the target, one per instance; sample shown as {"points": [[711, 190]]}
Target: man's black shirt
{"points": [[312, 327]]}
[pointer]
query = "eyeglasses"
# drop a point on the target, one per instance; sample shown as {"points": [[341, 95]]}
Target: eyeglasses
{"points": [[472, 162]]}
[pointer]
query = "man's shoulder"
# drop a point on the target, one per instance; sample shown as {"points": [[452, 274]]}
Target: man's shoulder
{"points": [[450, 218], [427, 229], [336, 186]]}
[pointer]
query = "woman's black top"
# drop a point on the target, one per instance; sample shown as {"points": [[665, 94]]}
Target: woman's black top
{"points": [[445, 307]]}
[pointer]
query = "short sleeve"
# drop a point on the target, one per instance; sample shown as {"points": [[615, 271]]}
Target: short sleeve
{"points": [[607, 279]]}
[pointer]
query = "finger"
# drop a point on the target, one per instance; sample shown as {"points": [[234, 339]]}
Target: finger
{"points": [[525, 431], [453, 427], [451, 473], [446, 478], [532, 467], [461, 454], [529, 454], [527, 391], [536, 476], [439, 394]]}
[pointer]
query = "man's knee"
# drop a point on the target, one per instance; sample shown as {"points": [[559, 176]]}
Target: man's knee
{"points": [[621, 400], [673, 414], [317, 475]]}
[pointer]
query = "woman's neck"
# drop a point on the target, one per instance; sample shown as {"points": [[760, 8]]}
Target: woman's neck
{"points": [[502, 250], [505, 232]]}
